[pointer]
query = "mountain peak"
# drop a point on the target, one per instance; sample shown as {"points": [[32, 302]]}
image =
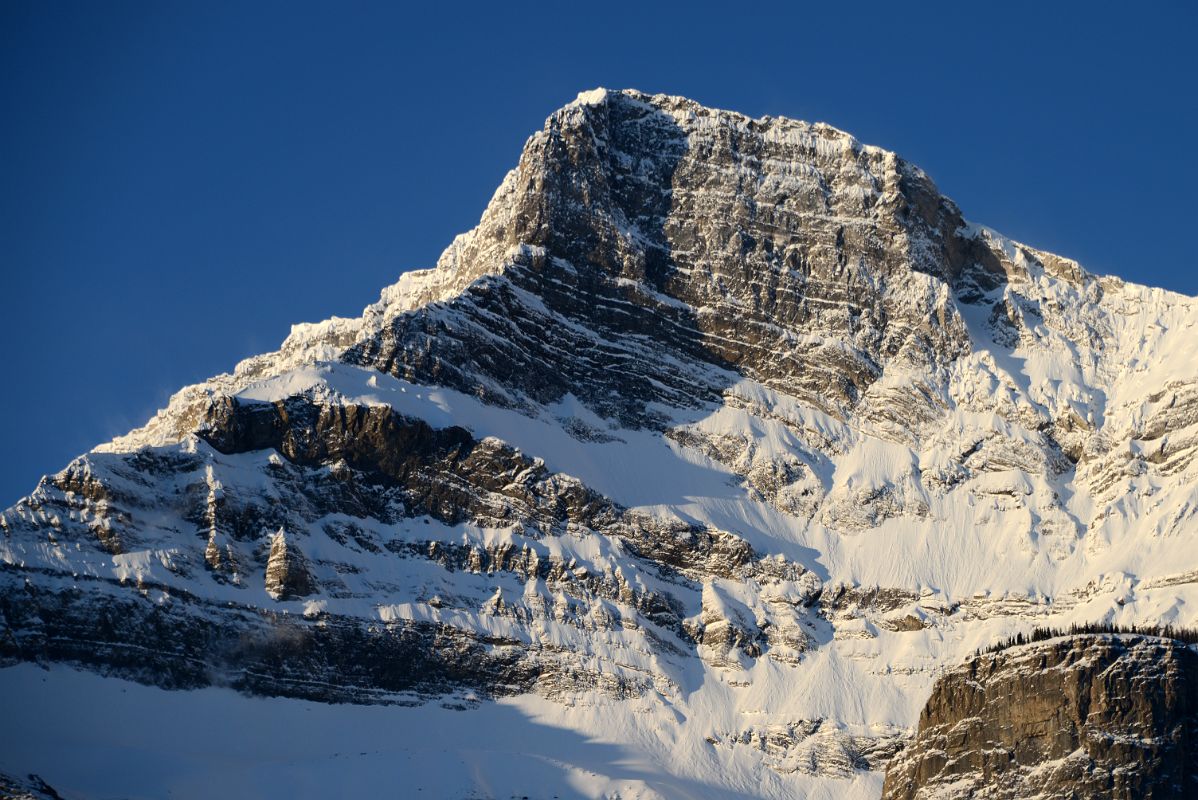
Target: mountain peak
{"points": [[593, 96], [779, 249]]}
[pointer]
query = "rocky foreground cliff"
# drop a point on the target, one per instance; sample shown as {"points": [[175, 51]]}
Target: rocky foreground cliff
{"points": [[1078, 717], [722, 437]]}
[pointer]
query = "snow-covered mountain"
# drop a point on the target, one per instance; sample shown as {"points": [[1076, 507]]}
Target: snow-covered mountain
{"points": [[717, 441]]}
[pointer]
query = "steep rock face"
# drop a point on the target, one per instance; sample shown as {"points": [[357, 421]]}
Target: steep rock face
{"points": [[724, 426], [815, 263], [1086, 717]]}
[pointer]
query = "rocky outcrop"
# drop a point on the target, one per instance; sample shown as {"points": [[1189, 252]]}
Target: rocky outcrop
{"points": [[31, 787], [817, 747], [1094, 717], [287, 575]]}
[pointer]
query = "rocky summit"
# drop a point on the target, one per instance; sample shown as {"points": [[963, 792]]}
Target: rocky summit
{"points": [[723, 442]]}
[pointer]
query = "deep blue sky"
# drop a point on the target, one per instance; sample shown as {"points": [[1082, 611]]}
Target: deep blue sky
{"points": [[182, 181]]}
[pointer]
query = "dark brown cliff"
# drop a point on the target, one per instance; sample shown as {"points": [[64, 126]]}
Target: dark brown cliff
{"points": [[1081, 717]]}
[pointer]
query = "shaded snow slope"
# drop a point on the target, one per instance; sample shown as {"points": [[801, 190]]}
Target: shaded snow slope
{"points": [[105, 737]]}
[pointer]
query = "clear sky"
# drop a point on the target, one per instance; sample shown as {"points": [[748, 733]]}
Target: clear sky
{"points": [[182, 181]]}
